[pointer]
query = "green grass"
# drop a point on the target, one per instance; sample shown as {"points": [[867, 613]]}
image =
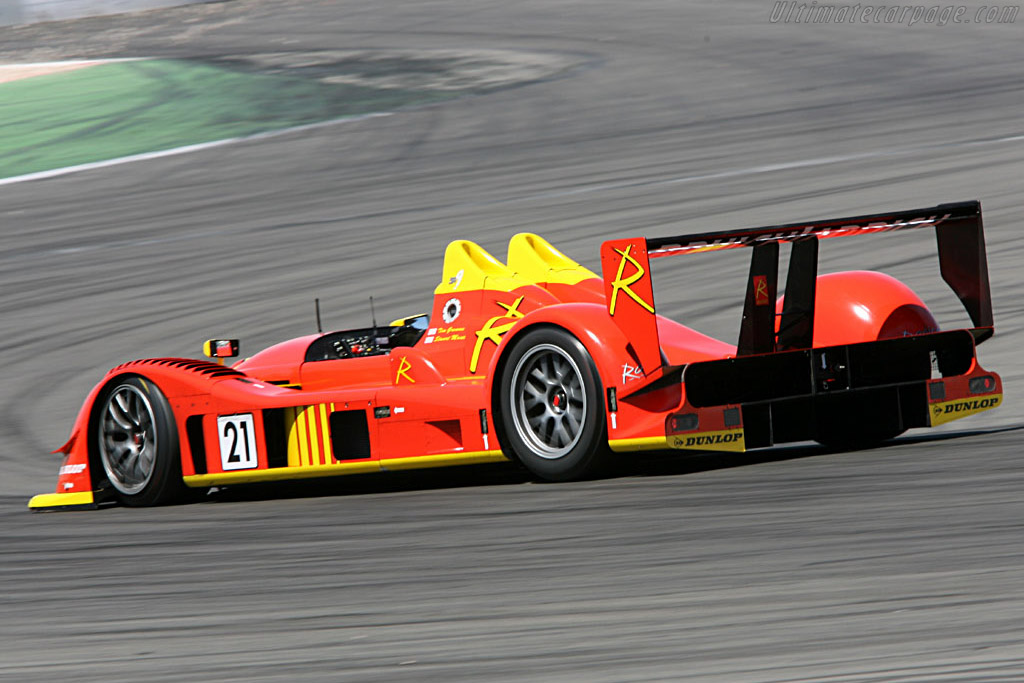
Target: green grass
{"points": [[123, 108]]}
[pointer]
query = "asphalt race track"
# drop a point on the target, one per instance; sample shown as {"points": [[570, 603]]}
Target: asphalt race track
{"points": [[897, 564]]}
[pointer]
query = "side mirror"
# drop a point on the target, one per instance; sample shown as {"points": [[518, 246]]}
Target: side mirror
{"points": [[219, 349]]}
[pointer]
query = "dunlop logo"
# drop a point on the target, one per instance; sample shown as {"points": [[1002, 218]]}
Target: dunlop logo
{"points": [[952, 410], [727, 440]]}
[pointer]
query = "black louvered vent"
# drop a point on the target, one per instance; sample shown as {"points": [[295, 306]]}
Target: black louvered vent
{"points": [[201, 367]]}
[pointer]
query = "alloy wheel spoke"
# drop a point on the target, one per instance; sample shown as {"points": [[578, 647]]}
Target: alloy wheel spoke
{"points": [[120, 453], [119, 416], [550, 398], [559, 368], [537, 421], [572, 420], [132, 410], [127, 448]]}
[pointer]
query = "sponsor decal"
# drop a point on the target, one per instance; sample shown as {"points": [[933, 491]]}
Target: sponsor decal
{"points": [[793, 233], [237, 434], [725, 440], [761, 290], [624, 284], [493, 332], [404, 366], [72, 469], [309, 434], [445, 334], [452, 309], [631, 372], [456, 279], [952, 410], [923, 330]]}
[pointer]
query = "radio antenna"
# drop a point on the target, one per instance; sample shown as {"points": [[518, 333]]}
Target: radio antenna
{"points": [[373, 316], [319, 327]]}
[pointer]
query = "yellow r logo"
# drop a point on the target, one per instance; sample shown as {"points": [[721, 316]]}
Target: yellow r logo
{"points": [[490, 332], [403, 370], [623, 284]]}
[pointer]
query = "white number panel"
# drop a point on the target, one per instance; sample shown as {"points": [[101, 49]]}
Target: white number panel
{"points": [[237, 442]]}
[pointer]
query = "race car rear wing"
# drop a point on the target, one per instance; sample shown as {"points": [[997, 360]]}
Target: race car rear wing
{"points": [[629, 289]]}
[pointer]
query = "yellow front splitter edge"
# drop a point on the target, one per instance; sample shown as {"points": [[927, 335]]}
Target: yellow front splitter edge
{"points": [[79, 500]]}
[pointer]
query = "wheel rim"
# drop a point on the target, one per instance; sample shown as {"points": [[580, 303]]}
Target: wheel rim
{"points": [[549, 403], [128, 439]]}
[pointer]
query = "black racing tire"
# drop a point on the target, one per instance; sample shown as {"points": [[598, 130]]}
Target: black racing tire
{"points": [[551, 404], [136, 442]]}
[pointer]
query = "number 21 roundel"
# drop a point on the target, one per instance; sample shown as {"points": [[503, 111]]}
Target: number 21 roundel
{"points": [[237, 442]]}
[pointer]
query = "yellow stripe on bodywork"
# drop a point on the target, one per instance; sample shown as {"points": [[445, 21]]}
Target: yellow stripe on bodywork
{"points": [[293, 436], [361, 467], [442, 460], [51, 501], [303, 432], [947, 411], [325, 429], [647, 443], [281, 473], [310, 416], [305, 446]]}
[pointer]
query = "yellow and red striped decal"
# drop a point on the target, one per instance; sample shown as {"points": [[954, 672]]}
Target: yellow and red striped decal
{"points": [[309, 435]]}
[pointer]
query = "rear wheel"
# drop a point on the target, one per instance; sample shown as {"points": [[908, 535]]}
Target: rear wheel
{"points": [[853, 422], [850, 439], [552, 407], [137, 443]]}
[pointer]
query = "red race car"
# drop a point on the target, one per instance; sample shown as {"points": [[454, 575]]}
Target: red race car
{"points": [[543, 362]]}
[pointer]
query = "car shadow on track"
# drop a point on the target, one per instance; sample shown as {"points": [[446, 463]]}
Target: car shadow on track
{"points": [[657, 463], [646, 464]]}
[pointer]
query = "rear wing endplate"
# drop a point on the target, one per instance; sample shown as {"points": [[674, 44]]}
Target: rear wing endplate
{"points": [[629, 291]]}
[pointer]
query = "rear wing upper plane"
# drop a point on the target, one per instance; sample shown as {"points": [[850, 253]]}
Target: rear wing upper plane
{"points": [[629, 291]]}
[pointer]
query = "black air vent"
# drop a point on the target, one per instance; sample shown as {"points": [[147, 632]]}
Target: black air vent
{"points": [[201, 367], [350, 435]]}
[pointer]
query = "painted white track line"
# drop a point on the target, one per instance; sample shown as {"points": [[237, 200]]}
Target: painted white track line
{"points": [[53, 173], [74, 63], [70, 62], [18, 72]]}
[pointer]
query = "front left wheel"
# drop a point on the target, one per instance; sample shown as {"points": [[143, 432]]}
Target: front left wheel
{"points": [[137, 443]]}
